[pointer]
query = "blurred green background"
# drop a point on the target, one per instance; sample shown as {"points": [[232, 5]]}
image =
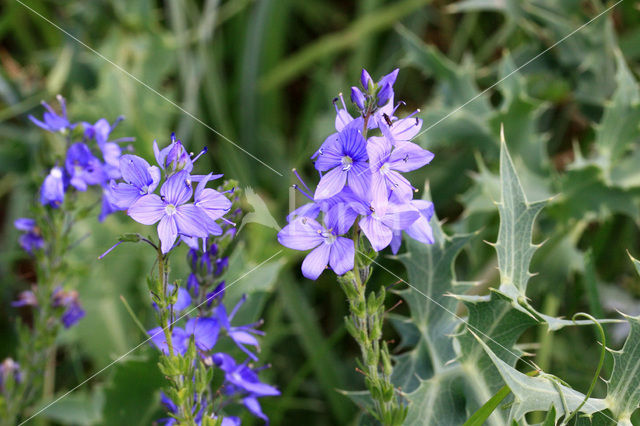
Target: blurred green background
{"points": [[263, 74]]}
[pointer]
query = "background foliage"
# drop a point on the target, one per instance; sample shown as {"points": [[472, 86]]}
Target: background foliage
{"points": [[263, 73]]}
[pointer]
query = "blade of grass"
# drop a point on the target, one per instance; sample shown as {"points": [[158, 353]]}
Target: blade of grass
{"points": [[336, 42]]}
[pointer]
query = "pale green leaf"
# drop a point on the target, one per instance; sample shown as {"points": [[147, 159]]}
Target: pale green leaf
{"points": [[541, 393], [517, 215]]}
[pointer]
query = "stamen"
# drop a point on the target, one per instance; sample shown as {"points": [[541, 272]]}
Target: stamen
{"points": [[397, 106], [227, 221], [302, 192], [295, 172], [342, 100], [204, 151], [109, 251]]}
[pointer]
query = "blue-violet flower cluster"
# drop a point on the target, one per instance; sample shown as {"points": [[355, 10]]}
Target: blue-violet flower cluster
{"points": [[362, 182]]}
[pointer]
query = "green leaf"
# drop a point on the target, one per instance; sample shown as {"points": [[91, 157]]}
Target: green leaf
{"points": [[620, 124], [131, 397], [517, 215], [78, 408], [623, 387], [541, 393]]}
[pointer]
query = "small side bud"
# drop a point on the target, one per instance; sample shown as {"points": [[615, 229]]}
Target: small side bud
{"points": [[357, 97]]}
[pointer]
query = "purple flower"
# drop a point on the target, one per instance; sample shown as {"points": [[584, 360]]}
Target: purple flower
{"points": [[241, 335], [328, 246], [83, 168], [212, 204], [108, 203], [204, 331], [242, 378], [9, 368], [174, 157], [25, 298], [386, 161], [171, 210], [68, 300], [31, 240], [53, 187], [420, 230], [346, 159], [52, 121], [139, 178], [379, 225], [179, 340]]}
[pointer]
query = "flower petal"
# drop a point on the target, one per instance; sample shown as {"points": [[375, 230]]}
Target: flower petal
{"points": [[302, 233], [177, 189], [190, 221], [316, 261], [376, 232], [124, 194], [147, 210], [331, 183], [168, 232], [342, 255], [135, 170], [408, 156]]}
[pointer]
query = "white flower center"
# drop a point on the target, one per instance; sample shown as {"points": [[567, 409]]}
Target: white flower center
{"points": [[56, 173], [384, 169], [329, 237], [144, 190], [346, 162], [170, 209]]}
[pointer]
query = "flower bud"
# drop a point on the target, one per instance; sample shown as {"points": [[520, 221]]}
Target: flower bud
{"points": [[366, 80], [357, 97], [384, 94]]}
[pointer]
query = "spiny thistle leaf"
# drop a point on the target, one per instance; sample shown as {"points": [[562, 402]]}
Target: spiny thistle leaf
{"points": [[517, 215], [623, 390], [541, 393], [620, 123]]}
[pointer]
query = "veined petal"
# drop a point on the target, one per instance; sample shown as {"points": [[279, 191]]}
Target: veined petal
{"points": [[330, 154], [205, 332], [379, 192], [316, 261], [177, 189], [376, 232], [302, 233], [154, 172], [359, 179], [212, 202], [135, 170], [124, 194], [168, 232], [353, 144], [406, 128], [331, 183], [379, 150], [408, 156], [341, 257], [343, 118], [396, 241], [420, 230], [339, 218], [424, 207], [147, 210], [190, 222], [399, 217], [400, 185]]}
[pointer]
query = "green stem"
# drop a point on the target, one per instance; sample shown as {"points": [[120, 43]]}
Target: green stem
{"points": [[365, 325]]}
